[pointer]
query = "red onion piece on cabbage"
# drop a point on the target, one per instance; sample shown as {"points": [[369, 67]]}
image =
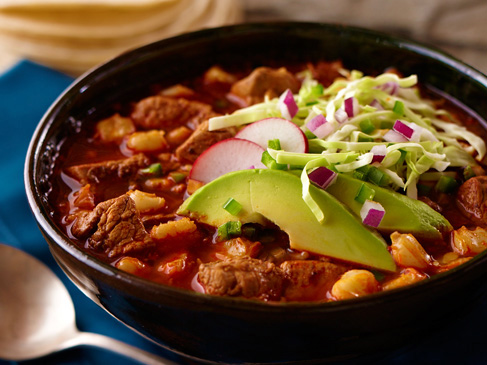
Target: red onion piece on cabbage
{"points": [[341, 116], [287, 105], [379, 152], [351, 106], [376, 104], [323, 177], [372, 213], [402, 128], [390, 88], [320, 126], [393, 136]]}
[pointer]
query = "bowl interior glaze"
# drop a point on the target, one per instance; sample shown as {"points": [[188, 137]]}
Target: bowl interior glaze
{"points": [[230, 330]]}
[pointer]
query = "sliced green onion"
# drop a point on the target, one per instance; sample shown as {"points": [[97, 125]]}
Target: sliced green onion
{"points": [[154, 169], [398, 108], [177, 176], [367, 126], [275, 144], [364, 193], [309, 134], [468, 172], [271, 163], [377, 177], [230, 229], [359, 175], [402, 158], [317, 90], [232, 206], [446, 184], [249, 231], [361, 172]]}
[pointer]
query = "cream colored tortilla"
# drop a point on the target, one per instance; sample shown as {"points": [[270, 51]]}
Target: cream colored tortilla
{"points": [[88, 23], [34, 5], [88, 49], [77, 54]]}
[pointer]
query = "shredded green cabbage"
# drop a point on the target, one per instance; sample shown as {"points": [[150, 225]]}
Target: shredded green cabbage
{"points": [[436, 144]]}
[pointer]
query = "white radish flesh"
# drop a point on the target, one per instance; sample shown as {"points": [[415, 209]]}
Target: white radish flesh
{"points": [[290, 136], [229, 155]]}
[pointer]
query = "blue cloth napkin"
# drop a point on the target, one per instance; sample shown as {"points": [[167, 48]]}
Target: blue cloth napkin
{"points": [[26, 91]]}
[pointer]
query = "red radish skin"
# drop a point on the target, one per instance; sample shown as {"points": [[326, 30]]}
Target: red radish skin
{"points": [[291, 137], [229, 155]]}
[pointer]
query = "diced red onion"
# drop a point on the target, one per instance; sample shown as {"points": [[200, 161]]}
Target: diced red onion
{"points": [[375, 103], [372, 213], [393, 136], [389, 87], [320, 126], [323, 177], [351, 106], [287, 105], [420, 133], [379, 152], [402, 128], [251, 167], [341, 116]]}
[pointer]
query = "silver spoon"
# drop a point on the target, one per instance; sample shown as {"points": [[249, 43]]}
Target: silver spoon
{"points": [[37, 315]]}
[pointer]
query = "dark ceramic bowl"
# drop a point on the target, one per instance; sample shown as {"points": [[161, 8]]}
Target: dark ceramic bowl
{"points": [[230, 330]]}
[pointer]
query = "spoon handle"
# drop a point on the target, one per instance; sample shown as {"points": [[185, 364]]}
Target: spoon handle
{"points": [[108, 343]]}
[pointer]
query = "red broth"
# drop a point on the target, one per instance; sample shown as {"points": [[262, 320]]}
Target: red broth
{"points": [[89, 173]]}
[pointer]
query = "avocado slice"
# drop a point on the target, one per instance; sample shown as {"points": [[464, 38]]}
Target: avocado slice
{"points": [[403, 214], [276, 196]]}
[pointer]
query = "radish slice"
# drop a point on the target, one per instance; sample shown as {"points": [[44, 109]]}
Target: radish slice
{"points": [[319, 126], [379, 152], [290, 136], [323, 177], [287, 105], [229, 155], [372, 213]]}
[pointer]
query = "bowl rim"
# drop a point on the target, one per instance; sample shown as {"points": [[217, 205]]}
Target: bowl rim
{"points": [[84, 81]]}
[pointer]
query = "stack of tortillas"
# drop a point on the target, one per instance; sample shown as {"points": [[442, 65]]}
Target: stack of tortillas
{"points": [[75, 35]]}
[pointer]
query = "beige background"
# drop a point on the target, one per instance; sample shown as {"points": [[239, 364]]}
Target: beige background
{"points": [[456, 26]]}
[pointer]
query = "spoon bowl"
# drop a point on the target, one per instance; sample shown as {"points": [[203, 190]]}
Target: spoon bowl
{"points": [[38, 316]]}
